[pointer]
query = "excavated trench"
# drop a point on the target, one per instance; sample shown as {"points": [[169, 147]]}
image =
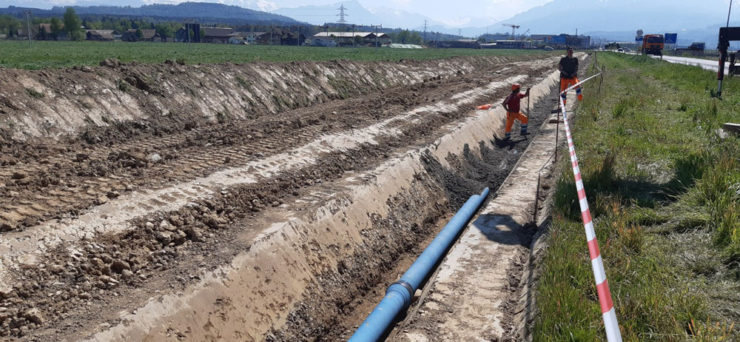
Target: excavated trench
{"points": [[282, 222]]}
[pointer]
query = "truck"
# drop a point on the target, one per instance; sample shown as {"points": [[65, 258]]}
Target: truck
{"points": [[695, 49], [652, 44]]}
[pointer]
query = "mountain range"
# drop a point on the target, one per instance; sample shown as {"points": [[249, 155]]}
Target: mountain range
{"points": [[357, 14], [201, 11], [604, 20], [620, 19]]}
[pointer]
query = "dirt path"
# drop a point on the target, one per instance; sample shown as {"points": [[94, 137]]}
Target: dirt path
{"points": [[90, 231]]}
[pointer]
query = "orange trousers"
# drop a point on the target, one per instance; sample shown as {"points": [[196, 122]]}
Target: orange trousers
{"points": [[567, 82], [510, 117]]}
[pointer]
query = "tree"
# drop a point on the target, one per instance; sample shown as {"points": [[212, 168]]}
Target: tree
{"points": [[94, 25], [164, 30], [42, 34], [9, 25], [415, 38], [56, 28], [72, 24]]}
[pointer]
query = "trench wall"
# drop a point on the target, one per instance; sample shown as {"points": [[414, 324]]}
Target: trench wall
{"points": [[59, 102]]}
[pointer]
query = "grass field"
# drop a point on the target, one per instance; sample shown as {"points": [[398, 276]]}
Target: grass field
{"points": [[50, 54], [664, 189]]}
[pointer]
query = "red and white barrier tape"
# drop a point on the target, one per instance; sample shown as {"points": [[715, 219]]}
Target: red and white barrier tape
{"points": [[579, 83], [602, 286]]}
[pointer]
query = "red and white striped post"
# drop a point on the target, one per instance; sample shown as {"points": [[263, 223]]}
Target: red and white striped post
{"points": [[602, 286]]}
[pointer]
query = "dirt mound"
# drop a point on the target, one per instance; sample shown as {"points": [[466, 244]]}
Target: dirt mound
{"points": [[98, 103]]}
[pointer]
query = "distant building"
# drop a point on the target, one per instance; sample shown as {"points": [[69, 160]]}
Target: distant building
{"points": [[43, 32], [354, 38], [250, 37], [280, 36], [322, 42], [21, 33], [237, 40], [513, 44], [404, 46], [492, 37], [562, 41], [459, 44], [99, 35], [182, 35], [149, 35], [219, 35]]}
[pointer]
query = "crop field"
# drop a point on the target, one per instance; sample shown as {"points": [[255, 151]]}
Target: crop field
{"points": [[50, 54]]}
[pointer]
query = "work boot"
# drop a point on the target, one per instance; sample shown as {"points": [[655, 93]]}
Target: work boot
{"points": [[524, 130]]}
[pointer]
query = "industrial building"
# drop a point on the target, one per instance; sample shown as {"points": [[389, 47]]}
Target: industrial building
{"points": [[351, 38]]}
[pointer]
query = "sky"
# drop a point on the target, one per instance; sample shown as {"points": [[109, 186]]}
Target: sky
{"points": [[458, 13]]}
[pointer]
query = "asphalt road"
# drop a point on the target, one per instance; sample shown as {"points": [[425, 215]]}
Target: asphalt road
{"points": [[706, 64]]}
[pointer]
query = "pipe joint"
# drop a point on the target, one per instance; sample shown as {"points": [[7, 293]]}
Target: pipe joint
{"points": [[404, 289]]}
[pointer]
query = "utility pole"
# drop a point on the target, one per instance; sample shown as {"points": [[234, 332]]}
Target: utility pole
{"points": [[354, 41], [728, 14], [326, 28], [425, 32], [721, 75], [376, 36], [28, 26]]}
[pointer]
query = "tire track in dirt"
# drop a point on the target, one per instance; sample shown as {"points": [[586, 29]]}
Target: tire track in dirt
{"points": [[105, 171]]}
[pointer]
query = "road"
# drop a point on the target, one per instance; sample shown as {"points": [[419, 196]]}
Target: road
{"points": [[703, 63]]}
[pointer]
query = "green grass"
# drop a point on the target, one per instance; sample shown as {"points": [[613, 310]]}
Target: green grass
{"points": [[49, 54], [664, 190]]}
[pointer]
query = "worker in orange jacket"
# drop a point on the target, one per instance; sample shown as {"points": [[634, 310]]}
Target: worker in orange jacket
{"points": [[568, 67], [512, 105]]}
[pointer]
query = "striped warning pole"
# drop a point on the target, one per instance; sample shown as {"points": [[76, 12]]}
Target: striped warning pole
{"points": [[602, 286]]}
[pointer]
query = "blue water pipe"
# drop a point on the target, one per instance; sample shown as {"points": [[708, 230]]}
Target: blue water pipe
{"points": [[399, 294]]}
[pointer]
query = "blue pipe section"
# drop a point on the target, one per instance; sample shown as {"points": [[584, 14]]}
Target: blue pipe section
{"points": [[398, 296]]}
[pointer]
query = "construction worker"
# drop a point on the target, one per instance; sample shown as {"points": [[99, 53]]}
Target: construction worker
{"points": [[511, 104], [568, 67]]}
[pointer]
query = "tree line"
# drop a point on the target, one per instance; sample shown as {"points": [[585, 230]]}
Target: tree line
{"points": [[73, 28], [70, 24], [406, 37]]}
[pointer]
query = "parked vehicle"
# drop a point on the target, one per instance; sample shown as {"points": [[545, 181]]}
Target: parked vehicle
{"points": [[653, 44]]}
